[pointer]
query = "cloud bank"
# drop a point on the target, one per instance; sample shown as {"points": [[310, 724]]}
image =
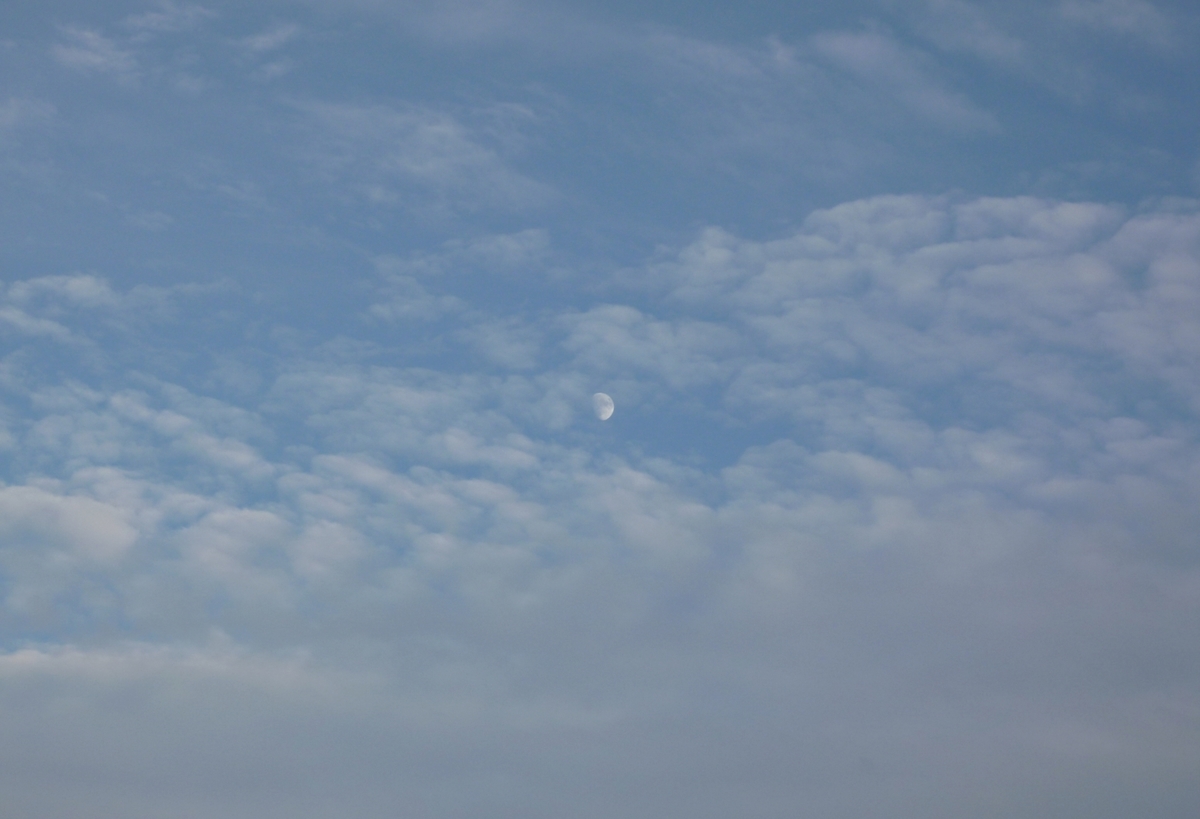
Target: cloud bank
{"points": [[897, 518], [304, 507]]}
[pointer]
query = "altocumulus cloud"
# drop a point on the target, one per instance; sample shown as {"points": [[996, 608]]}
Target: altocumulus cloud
{"points": [[304, 509], [946, 566]]}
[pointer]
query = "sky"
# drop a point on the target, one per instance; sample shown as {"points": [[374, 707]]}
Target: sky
{"points": [[304, 509]]}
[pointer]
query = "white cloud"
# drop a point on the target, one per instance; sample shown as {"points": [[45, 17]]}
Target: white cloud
{"points": [[896, 516], [135, 52], [1065, 47], [883, 64], [1133, 18], [80, 290], [958, 498], [618, 340], [959, 26], [928, 265], [415, 158], [507, 252], [16, 112], [33, 326], [414, 287], [150, 220], [272, 39], [467, 21], [88, 50], [753, 80], [828, 108], [169, 17], [34, 519], [509, 343]]}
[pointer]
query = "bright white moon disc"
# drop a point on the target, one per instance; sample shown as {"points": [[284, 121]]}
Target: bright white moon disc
{"points": [[603, 405]]}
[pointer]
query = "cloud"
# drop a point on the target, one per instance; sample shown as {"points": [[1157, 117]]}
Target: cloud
{"points": [[34, 519], [895, 516], [1132, 18], [945, 539], [85, 309], [272, 39], [87, 50], [169, 18], [420, 287], [965, 27], [509, 343], [827, 111], [414, 158], [990, 276], [881, 62], [465, 21], [78, 291], [140, 48], [30, 325], [617, 339], [16, 112]]}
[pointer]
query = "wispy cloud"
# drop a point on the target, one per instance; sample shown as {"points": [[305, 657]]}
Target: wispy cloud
{"points": [[272, 39], [16, 112], [168, 18], [960, 26], [882, 63], [1135, 19], [88, 50], [414, 158]]}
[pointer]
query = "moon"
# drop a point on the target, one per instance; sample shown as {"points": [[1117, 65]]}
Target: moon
{"points": [[603, 405]]}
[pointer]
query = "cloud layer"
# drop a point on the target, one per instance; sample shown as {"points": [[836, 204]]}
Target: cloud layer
{"points": [[304, 508], [942, 560]]}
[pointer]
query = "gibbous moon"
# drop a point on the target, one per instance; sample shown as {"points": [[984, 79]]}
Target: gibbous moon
{"points": [[603, 405]]}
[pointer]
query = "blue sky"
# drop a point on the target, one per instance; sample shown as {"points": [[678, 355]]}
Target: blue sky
{"points": [[303, 507]]}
